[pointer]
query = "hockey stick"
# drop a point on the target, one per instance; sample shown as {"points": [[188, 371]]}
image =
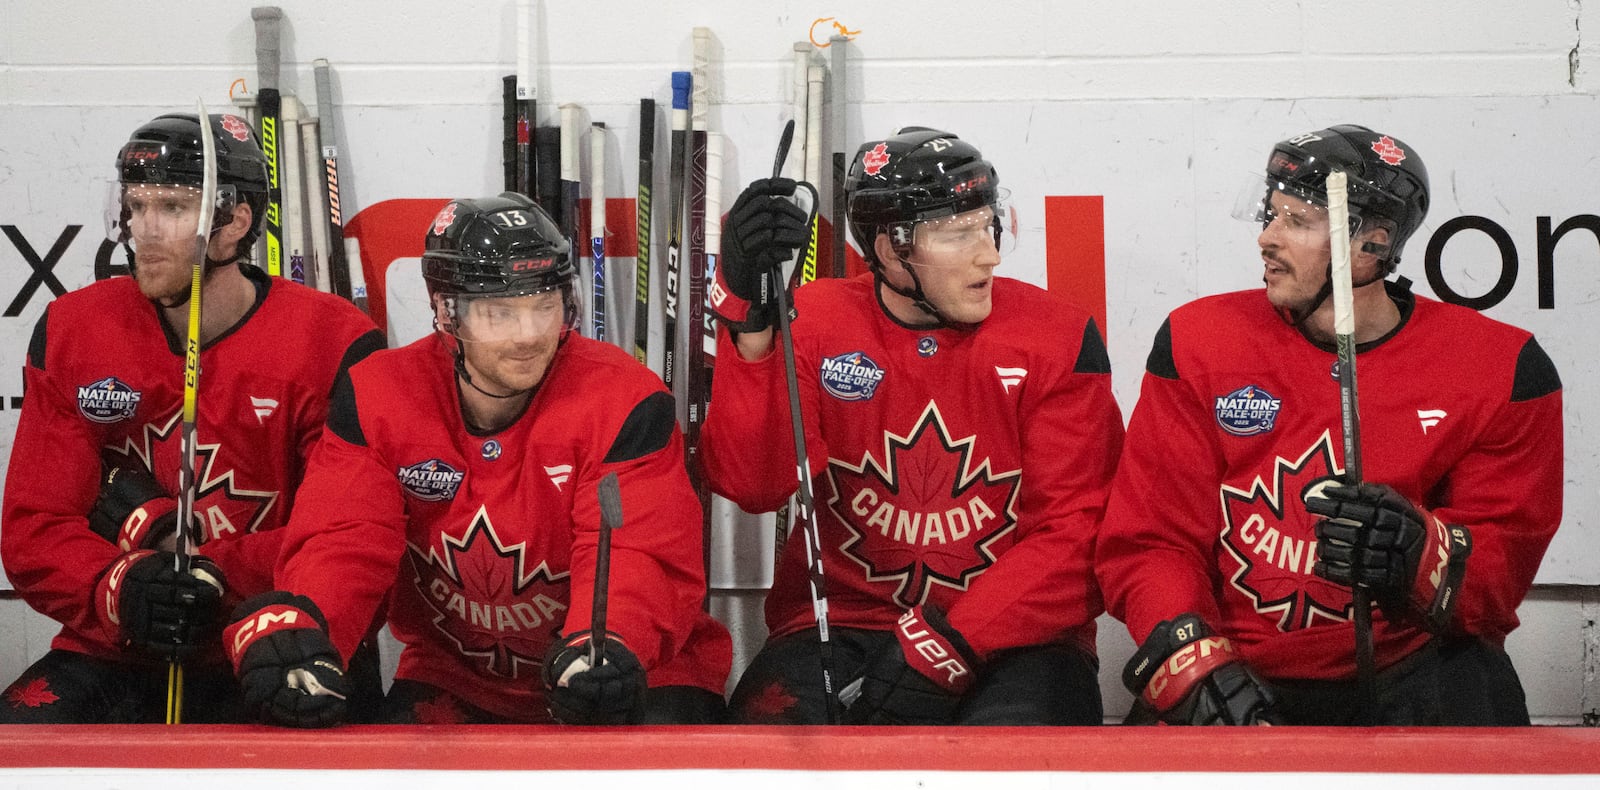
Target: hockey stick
{"points": [[1344, 321], [814, 80], [641, 265], [836, 122], [805, 513], [292, 183], [597, 223], [316, 207], [508, 131], [610, 519], [266, 19], [676, 163], [339, 262], [799, 106], [569, 179], [527, 101], [191, 389], [694, 348]]}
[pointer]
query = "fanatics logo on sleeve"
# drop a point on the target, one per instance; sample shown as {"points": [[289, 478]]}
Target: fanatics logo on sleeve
{"points": [[852, 376], [1248, 411], [108, 400], [431, 481]]}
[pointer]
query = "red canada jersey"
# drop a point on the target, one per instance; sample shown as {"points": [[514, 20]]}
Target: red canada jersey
{"points": [[485, 543], [1240, 413], [967, 468], [104, 384]]}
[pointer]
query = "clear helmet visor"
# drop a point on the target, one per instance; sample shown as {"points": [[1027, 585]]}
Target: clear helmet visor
{"points": [[160, 213], [993, 226], [1269, 203], [497, 319]]}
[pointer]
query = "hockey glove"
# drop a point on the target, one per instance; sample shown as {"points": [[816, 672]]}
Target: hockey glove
{"points": [[1372, 536], [146, 602], [920, 677], [288, 668], [581, 694], [763, 232], [1184, 675], [135, 512]]}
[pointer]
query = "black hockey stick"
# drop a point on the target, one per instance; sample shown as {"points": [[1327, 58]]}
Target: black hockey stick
{"points": [[836, 122], [266, 19], [641, 266], [805, 513], [527, 104], [508, 131], [675, 177], [610, 519], [695, 383], [1350, 415], [338, 262]]}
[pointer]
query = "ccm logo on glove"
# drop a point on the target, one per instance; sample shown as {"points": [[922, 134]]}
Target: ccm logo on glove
{"points": [[267, 621], [1187, 666]]}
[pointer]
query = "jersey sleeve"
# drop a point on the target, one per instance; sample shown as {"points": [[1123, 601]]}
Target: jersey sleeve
{"points": [[1044, 585], [1155, 554], [1506, 489], [657, 574], [747, 444], [51, 556], [346, 536]]}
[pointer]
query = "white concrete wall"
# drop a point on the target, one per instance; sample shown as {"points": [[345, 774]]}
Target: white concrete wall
{"points": [[1160, 107]]}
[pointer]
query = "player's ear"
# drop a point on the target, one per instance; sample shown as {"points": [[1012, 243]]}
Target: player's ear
{"points": [[1370, 245], [239, 225], [887, 254]]}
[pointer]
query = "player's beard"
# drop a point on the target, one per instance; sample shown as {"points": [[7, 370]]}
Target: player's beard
{"points": [[164, 271], [1293, 288], [510, 366]]}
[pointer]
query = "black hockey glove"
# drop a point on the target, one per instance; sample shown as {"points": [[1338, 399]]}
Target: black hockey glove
{"points": [[288, 668], [581, 694], [1184, 675], [146, 602], [1372, 536], [762, 233], [135, 512], [920, 677]]}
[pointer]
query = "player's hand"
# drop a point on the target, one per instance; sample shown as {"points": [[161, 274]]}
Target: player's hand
{"points": [[288, 668], [1372, 536], [162, 604], [762, 233], [1182, 674], [920, 677], [583, 694], [135, 512]]}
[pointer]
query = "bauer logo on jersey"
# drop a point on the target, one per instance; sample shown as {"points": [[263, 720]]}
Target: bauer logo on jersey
{"points": [[108, 400], [1247, 411], [431, 481], [852, 376]]}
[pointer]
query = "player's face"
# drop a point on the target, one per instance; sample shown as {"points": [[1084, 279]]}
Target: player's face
{"points": [[161, 222], [954, 259], [508, 342], [1295, 250]]}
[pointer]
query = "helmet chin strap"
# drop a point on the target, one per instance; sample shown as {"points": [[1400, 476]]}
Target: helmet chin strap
{"points": [[211, 265], [919, 298], [461, 373]]}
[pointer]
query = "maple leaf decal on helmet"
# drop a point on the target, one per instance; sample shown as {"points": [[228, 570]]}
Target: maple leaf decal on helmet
{"points": [[485, 600], [925, 515]]}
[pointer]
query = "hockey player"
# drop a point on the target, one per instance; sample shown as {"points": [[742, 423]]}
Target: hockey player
{"points": [[458, 478], [963, 435], [90, 498], [1240, 605]]}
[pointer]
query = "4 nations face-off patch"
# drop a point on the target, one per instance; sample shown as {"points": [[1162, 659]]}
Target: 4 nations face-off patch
{"points": [[1247, 411], [430, 481], [852, 376], [108, 400]]}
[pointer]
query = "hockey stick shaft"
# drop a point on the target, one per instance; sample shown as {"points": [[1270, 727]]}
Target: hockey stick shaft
{"points": [[339, 262], [1349, 412], [676, 163], [836, 145], [267, 19], [569, 180], [508, 131], [292, 182], [610, 519], [316, 206], [694, 349], [641, 266], [527, 93], [597, 223]]}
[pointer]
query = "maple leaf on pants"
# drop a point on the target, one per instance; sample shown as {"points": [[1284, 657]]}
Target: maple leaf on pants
{"points": [[924, 515], [34, 695]]}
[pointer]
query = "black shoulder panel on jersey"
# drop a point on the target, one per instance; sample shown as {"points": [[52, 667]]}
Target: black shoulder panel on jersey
{"points": [[1160, 362], [36, 345], [1092, 356], [648, 428], [1536, 374], [343, 419], [360, 348]]}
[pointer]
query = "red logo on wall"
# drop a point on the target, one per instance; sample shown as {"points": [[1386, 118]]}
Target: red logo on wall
{"points": [[874, 160], [1388, 151]]}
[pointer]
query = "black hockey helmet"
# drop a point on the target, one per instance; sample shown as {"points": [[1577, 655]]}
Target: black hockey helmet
{"points": [[496, 247], [917, 174], [168, 151], [1387, 180]]}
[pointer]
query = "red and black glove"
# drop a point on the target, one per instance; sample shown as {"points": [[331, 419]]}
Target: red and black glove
{"points": [[1372, 536], [583, 694], [135, 512], [288, 668], [762, 233], [1182, 674], [920, 677], [161, 604]]}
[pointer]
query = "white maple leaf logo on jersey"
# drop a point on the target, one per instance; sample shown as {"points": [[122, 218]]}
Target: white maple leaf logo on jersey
{"points": [[1268, 533], [487, 602], [925, 515], [224, 506]]}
